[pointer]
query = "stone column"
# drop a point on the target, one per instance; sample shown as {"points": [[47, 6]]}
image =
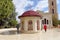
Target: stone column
{"points": [[34, 25], [25, 25], [20, 25]]}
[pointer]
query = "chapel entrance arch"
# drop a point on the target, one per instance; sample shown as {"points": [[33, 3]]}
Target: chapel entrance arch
{"points": [[30, 25], [45, 21]]}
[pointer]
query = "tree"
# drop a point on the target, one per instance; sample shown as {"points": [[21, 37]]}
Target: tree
{"points": [[6, 8], [59, 22], [12, 19], [55, 21], [13, 15], [7, 12], [13, 22]]}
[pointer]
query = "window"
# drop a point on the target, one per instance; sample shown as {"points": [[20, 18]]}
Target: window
{"points": [[30, 22], [44, 21], [47, 21], [38, 27], [30, 26], [53, 11], [52, 3]]}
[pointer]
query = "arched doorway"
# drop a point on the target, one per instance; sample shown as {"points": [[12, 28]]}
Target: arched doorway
{"points": [[45, 21], [38, 27], [30, 26]]}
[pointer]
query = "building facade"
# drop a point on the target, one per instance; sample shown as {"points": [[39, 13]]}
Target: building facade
{"points": [[46, 19], [35, 20], [53, 8]]}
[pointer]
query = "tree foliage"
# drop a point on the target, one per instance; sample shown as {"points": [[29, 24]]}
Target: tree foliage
{"points": [[6, 8], [55, 21], [12, 22], [7, 13], [59, 22]]}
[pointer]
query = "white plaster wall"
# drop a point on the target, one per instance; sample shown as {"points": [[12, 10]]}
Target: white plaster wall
{"points": [[34, 20], [49, 18]]}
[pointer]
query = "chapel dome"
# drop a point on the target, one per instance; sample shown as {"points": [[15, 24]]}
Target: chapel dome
{"points": [[30, 13]]}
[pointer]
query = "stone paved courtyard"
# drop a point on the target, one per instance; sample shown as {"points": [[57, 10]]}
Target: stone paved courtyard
{"points": [[51, 34]]}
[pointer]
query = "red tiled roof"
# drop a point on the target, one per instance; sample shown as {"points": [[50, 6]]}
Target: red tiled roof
{"points": [[30, 13]]}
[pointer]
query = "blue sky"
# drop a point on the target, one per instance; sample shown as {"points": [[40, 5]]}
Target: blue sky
{"points": [[42, 5]]}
